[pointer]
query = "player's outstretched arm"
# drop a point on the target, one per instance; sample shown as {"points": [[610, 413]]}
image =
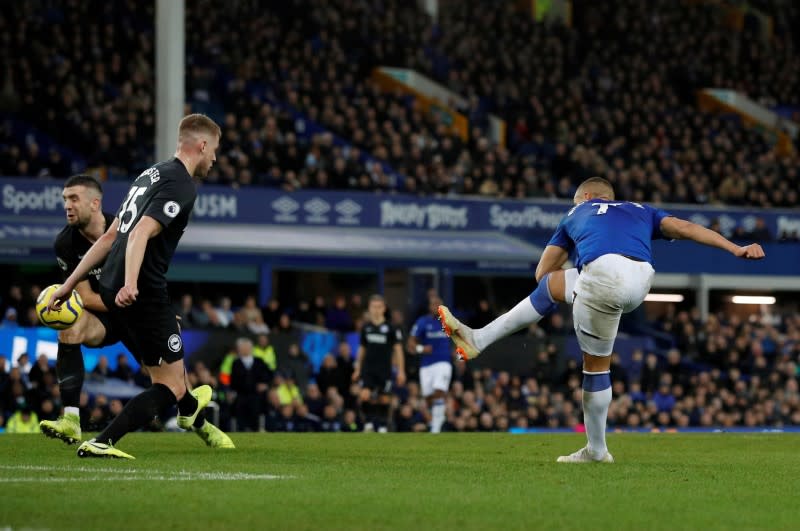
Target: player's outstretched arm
{"points": [[96, 254], [680, 229]]}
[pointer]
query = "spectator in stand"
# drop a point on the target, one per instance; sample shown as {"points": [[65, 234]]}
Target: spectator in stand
{"points": [[265, 351], [17, 302], [249, 380], [285, 325], [327, 375], [37, 373], [224, 312], [356, 308], [337, 317], [191, 316], [296, 364], [212, 316], [319, 310], [304, 313], [123, 371], [101, 371], [24, 420], [272, 313], [331, 421], [759, 233], [24, 365], [286, 387], [252, 316], [484, 312], [314, 400]]}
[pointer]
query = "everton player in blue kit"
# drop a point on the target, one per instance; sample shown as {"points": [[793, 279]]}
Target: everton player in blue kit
{"points": [[610, 241], [436, 353]]}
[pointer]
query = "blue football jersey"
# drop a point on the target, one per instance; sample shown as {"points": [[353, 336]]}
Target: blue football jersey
{"points": [[599, 227], [428, 331]]}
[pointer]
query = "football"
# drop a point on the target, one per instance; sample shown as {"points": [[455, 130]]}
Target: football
{"points": [[65, 316]]}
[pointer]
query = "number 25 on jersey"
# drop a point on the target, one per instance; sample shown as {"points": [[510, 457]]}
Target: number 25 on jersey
{"points": [[130, 206]]}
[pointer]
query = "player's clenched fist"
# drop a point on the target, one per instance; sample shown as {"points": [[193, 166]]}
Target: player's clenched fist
{"points": [[126, 296], [751, 252]]}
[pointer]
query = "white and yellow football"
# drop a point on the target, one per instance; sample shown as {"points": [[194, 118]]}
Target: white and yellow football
{"points": [[65, 316]]}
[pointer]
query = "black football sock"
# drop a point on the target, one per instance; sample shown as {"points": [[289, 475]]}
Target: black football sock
{"points": [[366, 412], [138, 412], [187, 406], [70, 373], [383, 415]]}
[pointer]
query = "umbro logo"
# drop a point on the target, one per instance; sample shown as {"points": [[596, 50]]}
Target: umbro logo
{"points": [[285, 205], [317, 208], [348, 212], [286, 208]]}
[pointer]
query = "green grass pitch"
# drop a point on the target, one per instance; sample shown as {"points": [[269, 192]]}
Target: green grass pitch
{"points": [[403, 481]]}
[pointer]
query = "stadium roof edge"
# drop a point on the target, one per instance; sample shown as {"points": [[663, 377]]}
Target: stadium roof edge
{"points": [[451, 246]]}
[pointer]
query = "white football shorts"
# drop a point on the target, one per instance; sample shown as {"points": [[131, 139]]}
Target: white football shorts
{"points": [[606, 288], [435, 377]]}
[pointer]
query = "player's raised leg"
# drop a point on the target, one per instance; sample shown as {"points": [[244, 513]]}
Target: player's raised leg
{"points": [[552, 289], [70, 372]]}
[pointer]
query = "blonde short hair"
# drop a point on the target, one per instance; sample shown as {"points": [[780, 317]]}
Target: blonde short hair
{"points": [[193, 124]]}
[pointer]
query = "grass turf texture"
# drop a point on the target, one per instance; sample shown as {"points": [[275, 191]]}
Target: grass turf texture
{"points": [[397, 481]]}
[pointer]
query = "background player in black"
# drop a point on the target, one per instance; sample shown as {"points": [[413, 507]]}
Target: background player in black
{"points": [[381, 348], [137, 250], [86, 222]]}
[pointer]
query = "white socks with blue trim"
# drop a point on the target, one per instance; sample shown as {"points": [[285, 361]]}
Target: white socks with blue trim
{"points": [[437, 415], [517, 318], [529, 310], [596, 399]]}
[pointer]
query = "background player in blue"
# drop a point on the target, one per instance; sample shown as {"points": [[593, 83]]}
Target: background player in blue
{"points": [[611, 243], [436, 354]]}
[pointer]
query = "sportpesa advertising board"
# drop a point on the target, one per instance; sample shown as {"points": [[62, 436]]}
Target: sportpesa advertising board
{"points": [[36, 198], [31, 211]]}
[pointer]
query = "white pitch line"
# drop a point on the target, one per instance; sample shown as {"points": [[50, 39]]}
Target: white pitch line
{"points": [[132, 474], [45, 468], [140, 478]]}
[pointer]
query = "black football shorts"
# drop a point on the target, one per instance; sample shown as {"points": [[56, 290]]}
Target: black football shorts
{"points": [[148, 328]]}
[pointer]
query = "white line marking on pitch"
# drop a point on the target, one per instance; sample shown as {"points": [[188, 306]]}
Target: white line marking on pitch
{"points": [[132, 474]]}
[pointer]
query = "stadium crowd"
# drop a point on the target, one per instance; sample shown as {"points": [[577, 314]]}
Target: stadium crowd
{"points": [[612, 96], [727, 371]]}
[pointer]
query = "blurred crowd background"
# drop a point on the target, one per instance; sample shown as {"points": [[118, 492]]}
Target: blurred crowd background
{"points": [[727, 371], [613, 95]]}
